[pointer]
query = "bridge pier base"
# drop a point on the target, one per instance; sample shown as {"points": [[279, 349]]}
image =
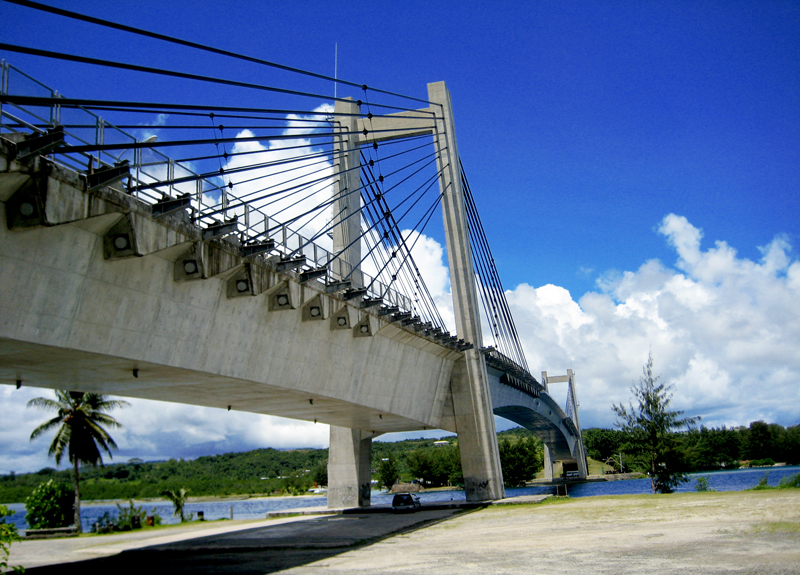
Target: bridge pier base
{"points": [[548, 464], [349, 467]]}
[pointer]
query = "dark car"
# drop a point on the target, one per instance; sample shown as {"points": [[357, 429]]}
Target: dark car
{"points": [[406, 502]]}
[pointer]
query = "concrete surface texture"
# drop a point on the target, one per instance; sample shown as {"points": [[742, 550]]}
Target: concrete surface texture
{"points": [[710, 533], [472, 403]]}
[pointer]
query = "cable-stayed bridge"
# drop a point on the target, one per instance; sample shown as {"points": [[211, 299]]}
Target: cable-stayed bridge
{"points": [[263, 259]]}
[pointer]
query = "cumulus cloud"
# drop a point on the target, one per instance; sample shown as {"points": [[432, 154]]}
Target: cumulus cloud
{"points": [[285, 179], [722, 328]]}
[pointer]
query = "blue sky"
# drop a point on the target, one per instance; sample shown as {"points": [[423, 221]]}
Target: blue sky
{"points": [[622, 153]]}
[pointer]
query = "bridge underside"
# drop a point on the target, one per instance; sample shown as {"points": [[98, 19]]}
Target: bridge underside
{"points": [[57, 368]]}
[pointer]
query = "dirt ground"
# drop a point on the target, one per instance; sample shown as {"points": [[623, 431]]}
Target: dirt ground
{"points": [[746, 532], [755, 532]]}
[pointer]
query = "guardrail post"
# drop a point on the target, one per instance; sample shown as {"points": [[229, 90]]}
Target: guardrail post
{"points": [[170, 174]]}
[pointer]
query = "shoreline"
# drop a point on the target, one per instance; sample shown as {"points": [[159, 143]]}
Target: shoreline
{"points": [[198, 499], [532, 483]]}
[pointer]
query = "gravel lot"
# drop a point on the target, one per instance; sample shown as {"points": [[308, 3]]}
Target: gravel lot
{"points": [[733, 532]]}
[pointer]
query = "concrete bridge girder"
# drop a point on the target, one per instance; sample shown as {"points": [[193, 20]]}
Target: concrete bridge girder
{"points": [[64, 304]]}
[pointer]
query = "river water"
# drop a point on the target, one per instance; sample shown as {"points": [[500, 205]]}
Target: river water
{"points": [[256, 508]]}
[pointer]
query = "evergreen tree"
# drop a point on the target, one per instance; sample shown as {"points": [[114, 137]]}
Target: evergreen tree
{"points": [[648, 426], [520, 459]]}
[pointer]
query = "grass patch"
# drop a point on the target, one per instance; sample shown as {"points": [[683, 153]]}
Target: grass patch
{"points": [[792, 527]]}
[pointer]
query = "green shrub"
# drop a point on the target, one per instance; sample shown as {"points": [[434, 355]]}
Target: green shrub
{"points": [[702, 485], [8, 534], [762, 483], [133, 517], [50, 505], [791, 481], [130, 517]]}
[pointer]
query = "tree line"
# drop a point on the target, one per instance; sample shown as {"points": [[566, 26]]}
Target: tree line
{"points": [[272, 471], [261, 471], [521, 457], [708, 448]]}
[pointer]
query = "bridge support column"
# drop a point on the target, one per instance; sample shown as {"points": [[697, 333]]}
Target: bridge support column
{"points": [[349, 468], [472, 403], [548, 464]]}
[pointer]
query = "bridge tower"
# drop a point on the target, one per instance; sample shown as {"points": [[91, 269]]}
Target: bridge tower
{"points": [[350, 453], [472, 404], [572, 413]]}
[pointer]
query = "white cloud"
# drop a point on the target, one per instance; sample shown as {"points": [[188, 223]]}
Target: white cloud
{"points": [[160, 120], [724, 331], [294, 178]]}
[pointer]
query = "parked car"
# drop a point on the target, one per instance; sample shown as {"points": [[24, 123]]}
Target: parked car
{"points": [[405, 502]]}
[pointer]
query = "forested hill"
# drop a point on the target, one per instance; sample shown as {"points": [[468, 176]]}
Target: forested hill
{"points": [[261, 471], [257, 472]]}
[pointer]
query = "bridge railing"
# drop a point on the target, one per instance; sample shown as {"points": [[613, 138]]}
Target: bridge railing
{"points": [[154, 177]]}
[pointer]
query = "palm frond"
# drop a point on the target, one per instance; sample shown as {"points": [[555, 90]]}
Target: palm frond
{"points": [[46, 426], [60, 441], [44, 403]]}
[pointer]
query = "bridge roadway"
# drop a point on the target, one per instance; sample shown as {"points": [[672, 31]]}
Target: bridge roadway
{"points": [[98, 295]]}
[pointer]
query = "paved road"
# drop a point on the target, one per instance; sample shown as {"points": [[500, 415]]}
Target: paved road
{"points": [[269, 547]]}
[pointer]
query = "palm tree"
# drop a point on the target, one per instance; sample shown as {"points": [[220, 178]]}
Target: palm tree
{"points": [[178, 499], [79, 430]]}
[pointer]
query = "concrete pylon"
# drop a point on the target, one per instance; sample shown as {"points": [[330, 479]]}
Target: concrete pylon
{"points": [[349, 468], [571, 412], [548, 464], [583, 466], [472, 403], [350, 453], [347, 192]]}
